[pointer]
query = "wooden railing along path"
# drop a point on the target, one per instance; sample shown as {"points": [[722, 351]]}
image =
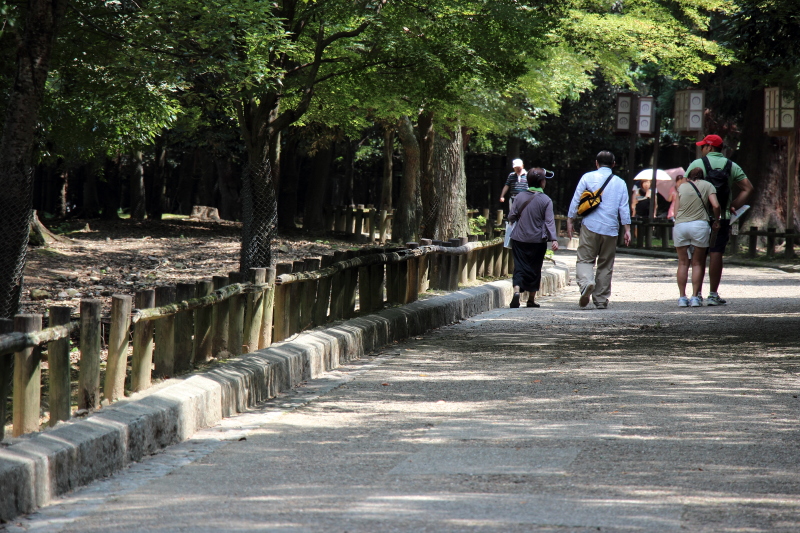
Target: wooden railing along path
{"points": [[173, 328]]}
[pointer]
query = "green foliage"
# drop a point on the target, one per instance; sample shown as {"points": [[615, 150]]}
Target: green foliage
{"points": [[476, 225]]}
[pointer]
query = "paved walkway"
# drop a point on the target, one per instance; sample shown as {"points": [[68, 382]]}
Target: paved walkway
{"points": [[642, 417]]}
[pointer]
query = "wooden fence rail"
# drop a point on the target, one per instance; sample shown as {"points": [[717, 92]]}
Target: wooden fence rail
{"points": [[173, 328]]}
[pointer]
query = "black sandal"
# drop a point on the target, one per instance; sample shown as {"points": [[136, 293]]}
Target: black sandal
{"points": [[515, 301], [531, 303]]}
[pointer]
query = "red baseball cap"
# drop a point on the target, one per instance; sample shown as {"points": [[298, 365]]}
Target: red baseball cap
{"points": [[711, 140]]}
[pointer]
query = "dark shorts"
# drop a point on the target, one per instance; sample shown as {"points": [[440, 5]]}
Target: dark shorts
{"points": [[722, 237]]}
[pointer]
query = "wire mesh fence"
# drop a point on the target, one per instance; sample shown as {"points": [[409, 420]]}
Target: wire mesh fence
{"points": [[259, 218], [15, 212]]}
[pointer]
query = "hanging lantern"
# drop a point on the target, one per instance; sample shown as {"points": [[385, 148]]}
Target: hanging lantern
{"points": [[689, 111], [624, 112], [646, 124], [780, 111]]}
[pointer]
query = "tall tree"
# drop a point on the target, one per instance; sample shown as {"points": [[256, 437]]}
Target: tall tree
{"points": [[34, 33]]}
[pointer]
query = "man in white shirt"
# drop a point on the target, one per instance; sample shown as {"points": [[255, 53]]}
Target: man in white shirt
{"points": [[599, 231]]}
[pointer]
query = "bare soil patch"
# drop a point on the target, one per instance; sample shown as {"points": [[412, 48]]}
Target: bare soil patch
{"points": [[121, 257]]}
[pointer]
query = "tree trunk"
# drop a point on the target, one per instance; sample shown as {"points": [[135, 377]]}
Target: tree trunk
{"points": [[388, 153], [137, 190], [158, 192], [110, 189], [60, 200], [763, 159], [314, 216], [287, 200], [205, 190], [186, 183], [349, 171], [451, 185], [427, 181], [406, 222], [91, 198], [228, 190], [24, 99]]}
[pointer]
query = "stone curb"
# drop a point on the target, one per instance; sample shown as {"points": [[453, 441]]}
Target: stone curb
{"points": [[39, 467]]}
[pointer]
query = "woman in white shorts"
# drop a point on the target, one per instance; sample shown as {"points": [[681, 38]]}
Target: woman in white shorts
{"points": [[692, 228]]}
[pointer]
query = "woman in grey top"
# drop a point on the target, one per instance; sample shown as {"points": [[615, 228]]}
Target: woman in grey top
{"points": [[535, 226]]}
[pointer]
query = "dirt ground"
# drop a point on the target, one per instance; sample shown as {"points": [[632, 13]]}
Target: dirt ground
{"points": [[121, 257]]}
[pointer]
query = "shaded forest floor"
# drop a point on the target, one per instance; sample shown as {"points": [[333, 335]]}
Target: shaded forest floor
{"points": [[123, 256]]}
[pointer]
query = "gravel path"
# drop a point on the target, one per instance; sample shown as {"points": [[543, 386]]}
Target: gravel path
{"points": [[641, 417]]}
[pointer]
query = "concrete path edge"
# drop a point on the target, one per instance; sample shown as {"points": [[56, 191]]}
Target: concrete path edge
{"points": [[41, 466]]}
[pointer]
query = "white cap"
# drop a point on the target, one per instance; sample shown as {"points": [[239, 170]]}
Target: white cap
{"points": [[517, 163]]}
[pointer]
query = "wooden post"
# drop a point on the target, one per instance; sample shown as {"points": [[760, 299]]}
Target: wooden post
{"points": [[383, 225], [412, 276], [454, 267], [640, 231], [463, 266], [401, 282], [791, 180], [424, 268], [309, 294], [472, 262], [364, 290], [254, 311], [27, 379], [351, 284], [59, 367], [89, 370], [371, 224], [184, 327], [337, 288], [164, 354], [236, 309], [280, 330], [771, 242], [295, 299], [376, 286], [497, 251], [220, 313], [359, 229], [648, 234], [114, 386], [142, 358], [350, 220], [665, 237], [789, 249], [328, 218], [753, 248], [6, 375], [323, 293], [203, 319], [504, 262], [265, 338]]}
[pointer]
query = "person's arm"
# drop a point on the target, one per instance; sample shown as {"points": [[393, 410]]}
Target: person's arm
{"points": [[550, 223], [513, 214], [573, 207], [715, 207], [627, 237], [503, 193], [745, 190], [676, 203]]}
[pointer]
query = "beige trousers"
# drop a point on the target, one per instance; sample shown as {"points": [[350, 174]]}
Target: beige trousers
{"points": [[600, 249]]}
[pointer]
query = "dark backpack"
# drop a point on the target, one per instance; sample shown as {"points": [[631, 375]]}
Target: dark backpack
{"points": [[718, 177]]}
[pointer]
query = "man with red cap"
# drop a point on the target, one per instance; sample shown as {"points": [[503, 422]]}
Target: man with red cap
{"points": [[712, 159]]}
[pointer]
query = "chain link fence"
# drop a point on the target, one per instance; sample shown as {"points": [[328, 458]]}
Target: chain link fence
{"points": [[15, 214], [259, 218]]}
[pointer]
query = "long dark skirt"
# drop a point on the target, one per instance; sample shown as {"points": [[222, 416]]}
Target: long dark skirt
{"points": [[528, 259]]}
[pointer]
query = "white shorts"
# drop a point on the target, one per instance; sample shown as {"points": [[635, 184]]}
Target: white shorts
{"points": [[696, 233]]}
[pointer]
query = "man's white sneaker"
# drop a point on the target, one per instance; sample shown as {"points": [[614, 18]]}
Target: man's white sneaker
{"points": [[683, 301], [694, 301]]}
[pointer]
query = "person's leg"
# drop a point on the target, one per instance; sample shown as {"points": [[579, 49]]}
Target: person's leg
{"points": [[587, 255], [540, 249], [683, 269], [605, 269], [715, 271], [698, 270]]}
